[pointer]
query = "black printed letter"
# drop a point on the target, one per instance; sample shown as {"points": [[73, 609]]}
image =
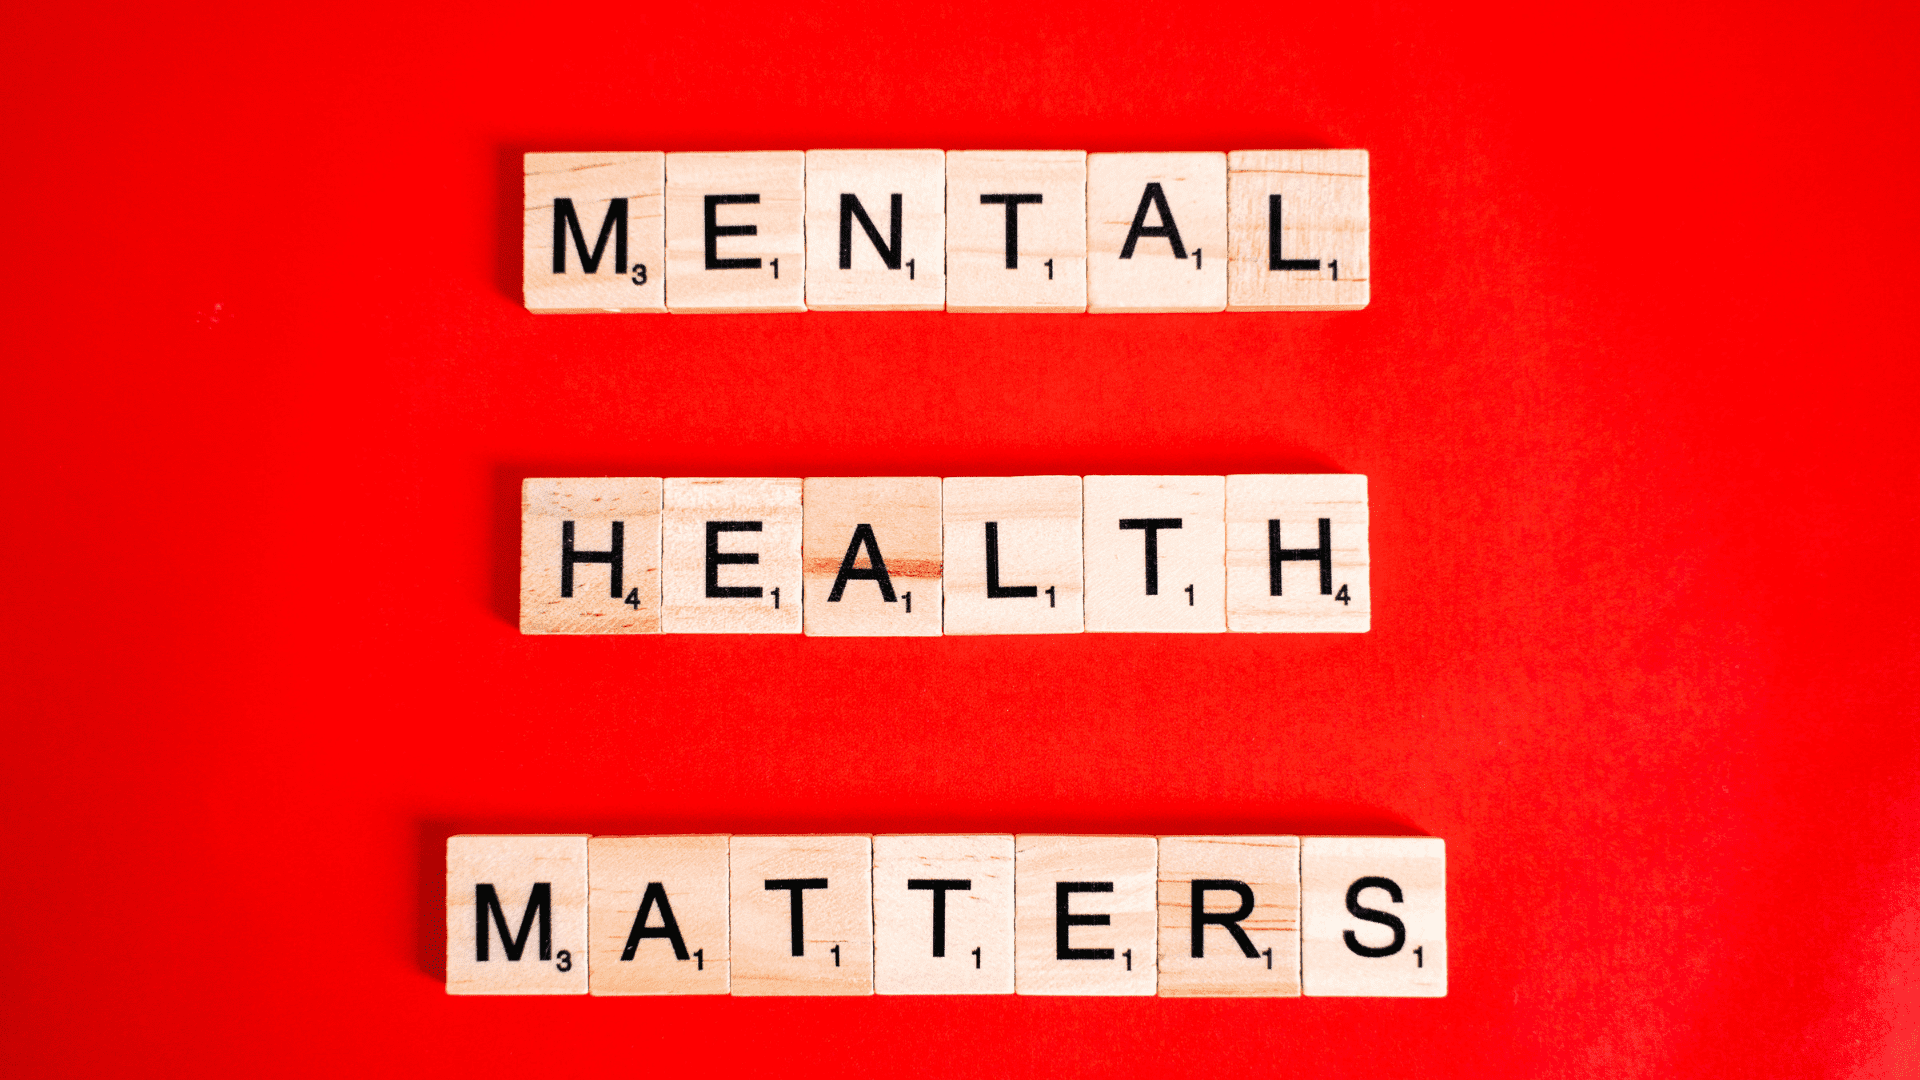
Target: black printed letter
{"points": [[1274, 261], [1228, 919], [798, 888], [615, 222], [939, 886], [1277, 555], [715, 231], [876, 569], [850, 208], [1384, 919], [1062, 920], [1152, 527], [1157, 199], [717, 558], [1013, 204], [668, 928], [487, 902], [995, 590], [613, 557]]}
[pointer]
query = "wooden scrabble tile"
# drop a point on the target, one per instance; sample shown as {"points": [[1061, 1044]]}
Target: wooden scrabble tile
{"points": [[943, 914], [1373, 916], [1156, 553], [1229, 916], [730, 556], [516, 915], [876, 230], [1298, 225], [736, 232], [1016, 230], [1297, 554], [590, 556], [1012, 554], [802, 915], [657, 914], [595, 233], [1156, 232], [1084, 915], [871, 556]]}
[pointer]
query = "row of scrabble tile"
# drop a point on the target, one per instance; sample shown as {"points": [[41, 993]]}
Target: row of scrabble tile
{"points": [[1180, 916], [910, 556], [963, 230]]}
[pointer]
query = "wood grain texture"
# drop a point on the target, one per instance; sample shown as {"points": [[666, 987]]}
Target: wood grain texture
{"points": [[1157, 275], [691, 872], [592, 182], [978, 278], [1269, 867], [901, 514], [976, 936], [873, 177], [778, 180], [839, 914], [1121, 952], [1036, 540], [689, 504], [593, 505], [1341, 601], [517, 871], [1330, 867], [1324, 218], [1191, 554]]}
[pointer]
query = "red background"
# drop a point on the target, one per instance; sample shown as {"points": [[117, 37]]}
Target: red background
{"points": [[1636, 396]]}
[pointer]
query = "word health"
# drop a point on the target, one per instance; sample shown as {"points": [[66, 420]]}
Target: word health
{"points": [[962, 230], [1172, 916], [923, 556]]}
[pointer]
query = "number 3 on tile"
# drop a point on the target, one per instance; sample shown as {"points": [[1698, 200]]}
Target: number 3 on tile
{"points": [[565, 963]]}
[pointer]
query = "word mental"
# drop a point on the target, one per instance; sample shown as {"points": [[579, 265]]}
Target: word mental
{"points": [[922, 556], [1176, 916], [960, 230]]}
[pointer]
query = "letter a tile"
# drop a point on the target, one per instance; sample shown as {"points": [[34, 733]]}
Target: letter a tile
{"points": [[736, 231], [1297, 554], [1156, 554], [657, 911], [1299, 221], [876, 230], [943, 914], [1012, 554], [590, 556], [595, 235], [1229, 916], [1017, 230], [730, 551], [871, 552], [1373, 916], [1084, 915], [516, 915], [1156, 232], [802, 915]]}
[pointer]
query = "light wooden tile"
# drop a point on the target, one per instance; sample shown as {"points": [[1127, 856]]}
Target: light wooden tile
{"points": [[1040, 263], [730, 556], [1229, 916], [871, 556], [1084, 915], [1156, 554], [1297, 554], [893, 259], [657, 914], [1156, 232], [1358, 939], [943, 914], [1012, 554], [1322, 216], [590, 555], [595, 233], [517, 915], [802, 915], [736, 232]]}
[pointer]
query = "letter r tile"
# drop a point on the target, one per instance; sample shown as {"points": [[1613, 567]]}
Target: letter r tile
{"points": [[1229, 916]]}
